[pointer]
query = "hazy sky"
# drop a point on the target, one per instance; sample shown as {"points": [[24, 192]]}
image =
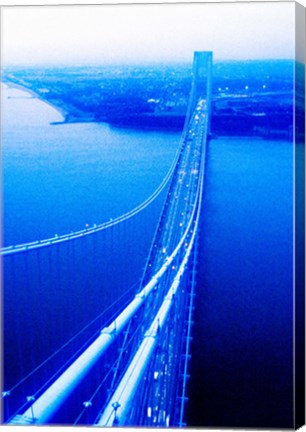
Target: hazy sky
{"points": [[136, 33]]}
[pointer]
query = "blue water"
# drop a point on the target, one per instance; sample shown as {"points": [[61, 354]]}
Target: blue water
{"points": [[59, 178], [241, 370]]}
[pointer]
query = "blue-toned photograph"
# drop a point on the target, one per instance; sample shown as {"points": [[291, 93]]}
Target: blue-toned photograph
{"points": [[152, 250]]}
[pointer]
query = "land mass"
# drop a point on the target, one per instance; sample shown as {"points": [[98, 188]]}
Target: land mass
{"points": [[249, 98]]}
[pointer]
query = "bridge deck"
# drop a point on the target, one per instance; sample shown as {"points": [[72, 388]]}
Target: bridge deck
{"points": [[161, 291]]}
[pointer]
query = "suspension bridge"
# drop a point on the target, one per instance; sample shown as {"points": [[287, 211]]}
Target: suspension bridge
{"points": [[129, 364]]}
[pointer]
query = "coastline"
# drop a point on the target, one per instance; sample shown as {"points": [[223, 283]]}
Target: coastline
{"points": [[222, 124], [138, 122], [60, 109], [12, 84]]}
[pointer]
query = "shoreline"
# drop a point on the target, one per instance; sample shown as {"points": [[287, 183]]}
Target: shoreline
{"points": [[67, 116], [71, 115], [35, 95]]}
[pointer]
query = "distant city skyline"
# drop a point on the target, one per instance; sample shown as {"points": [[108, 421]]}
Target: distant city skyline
{"points": [[146, 33]]}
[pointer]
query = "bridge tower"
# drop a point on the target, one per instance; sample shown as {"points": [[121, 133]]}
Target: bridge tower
{"points": [[202, 81]]}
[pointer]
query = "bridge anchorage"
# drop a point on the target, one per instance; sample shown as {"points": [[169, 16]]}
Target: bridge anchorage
{"points": [[140, 357]]}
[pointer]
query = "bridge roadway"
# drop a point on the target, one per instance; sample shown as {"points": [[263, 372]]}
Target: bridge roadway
{"points": [[184, 210], [168, 259]]}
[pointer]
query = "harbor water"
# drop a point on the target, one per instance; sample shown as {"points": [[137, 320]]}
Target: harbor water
{"points": [[65, 177]]}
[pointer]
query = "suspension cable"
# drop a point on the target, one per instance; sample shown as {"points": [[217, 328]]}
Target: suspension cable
{"points": [[65, 344], [24, 247]]}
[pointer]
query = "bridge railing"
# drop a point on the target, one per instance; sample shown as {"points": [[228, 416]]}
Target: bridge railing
{"points": [[118, 407], [50, 401], [117, 410], [58, 392], [43, 409]]}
